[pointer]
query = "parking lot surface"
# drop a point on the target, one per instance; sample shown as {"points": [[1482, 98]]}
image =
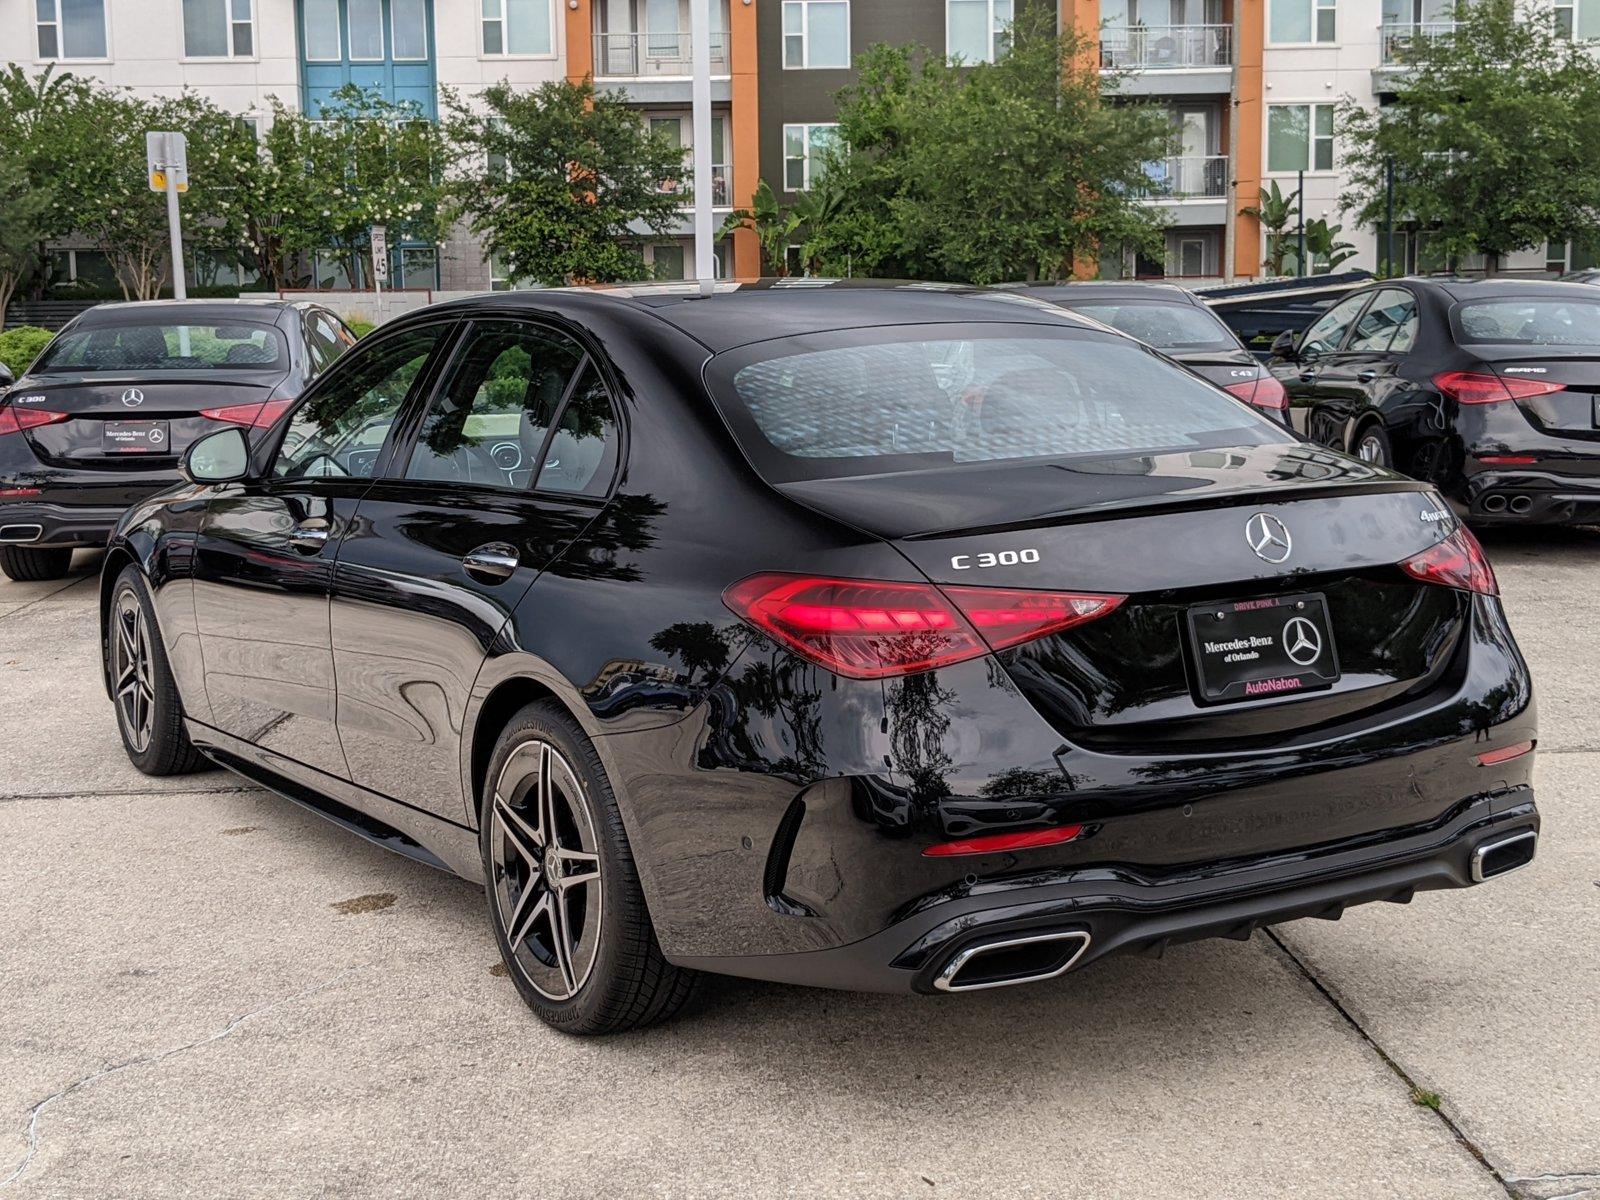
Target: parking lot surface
{"points": [[208, 991]]}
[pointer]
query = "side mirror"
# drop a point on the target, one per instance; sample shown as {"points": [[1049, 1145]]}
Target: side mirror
{"points": [[1283, 346], [220, 457], [6, 377]]}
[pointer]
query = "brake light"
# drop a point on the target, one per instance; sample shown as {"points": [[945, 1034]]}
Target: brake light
{"points": [[1264, 392], [1480, 387], [15, 420], [1457, 562], [251, 416], [1492, 758], [869, 629], [998, 843]]}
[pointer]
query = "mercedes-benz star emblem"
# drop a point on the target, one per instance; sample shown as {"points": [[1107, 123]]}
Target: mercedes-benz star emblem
{"points": [[1268, 537], [1301, 641], [133, 397]]}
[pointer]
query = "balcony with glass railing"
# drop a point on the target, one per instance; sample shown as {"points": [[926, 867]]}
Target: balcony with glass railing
{"points": [[721, 186], [1187, 177], [1149, 47], [645, 55], [1395, 38]]}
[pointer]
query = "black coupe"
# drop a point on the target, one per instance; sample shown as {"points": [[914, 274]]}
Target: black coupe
{"points": [[883, 637], [102, 417], [1489, 389]]}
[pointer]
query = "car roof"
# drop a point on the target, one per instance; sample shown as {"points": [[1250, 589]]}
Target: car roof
{"points": [[1483, 289], [1093, 291], [216, 309], [722, 314]]}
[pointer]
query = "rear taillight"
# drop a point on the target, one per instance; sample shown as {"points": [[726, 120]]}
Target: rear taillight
{"points": [[1263, 392], [252, 416], [1480, 387], [1457, 562], [869, 629], [15, 420]]}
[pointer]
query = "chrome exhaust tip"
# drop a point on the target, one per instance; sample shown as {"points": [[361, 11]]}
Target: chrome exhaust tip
{"points": [[15, 534], [1503, 855], [1005, 962], [1494, 502], [1521, 505]]}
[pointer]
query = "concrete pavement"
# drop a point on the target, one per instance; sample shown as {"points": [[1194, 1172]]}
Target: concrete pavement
{"points": [[209, 992]]}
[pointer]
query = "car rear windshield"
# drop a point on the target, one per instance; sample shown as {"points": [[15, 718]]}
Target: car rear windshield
{"points": [[1164, 326], [1530, 322], [913, 398], [164, 346]]}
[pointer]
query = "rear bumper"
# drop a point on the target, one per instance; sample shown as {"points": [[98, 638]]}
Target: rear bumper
{"points": [[1534, 494], [57, 524], [1103, 911]]}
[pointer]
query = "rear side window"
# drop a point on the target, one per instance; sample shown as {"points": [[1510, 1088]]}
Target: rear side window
{"points": [[1164, 326], [1529, 322], [901, 399], [582, 456], [157, 346]]}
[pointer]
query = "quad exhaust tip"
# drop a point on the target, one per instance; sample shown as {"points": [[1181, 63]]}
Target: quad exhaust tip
{"points": [[1028, 958], [1521, 505], [1503, 855], [1494, 502]]}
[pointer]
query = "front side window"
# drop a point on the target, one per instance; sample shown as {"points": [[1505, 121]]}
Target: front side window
{"points": [[489, 422], [340, 430], [517, 28], [802, 147], [1327, 332], [153, 347], [1299, 137], [71, 28], [217, 29], [816, 34], [977, 30], [919, 399], [1389, 324], [1297, 22]]}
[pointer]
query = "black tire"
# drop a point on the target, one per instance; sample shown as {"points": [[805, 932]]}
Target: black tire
{"points": [[626, 981], [135, 658], [26, 564], [1371, 445]]}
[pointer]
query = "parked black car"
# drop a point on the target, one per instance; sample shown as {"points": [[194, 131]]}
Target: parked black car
{"points": [[1489, 389], [102, 417], [1180, 325], [873, 637]]}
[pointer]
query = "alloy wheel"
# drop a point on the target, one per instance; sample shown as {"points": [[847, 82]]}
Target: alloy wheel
{"points": [[133, 672], [1370, 450], [545, 869]]}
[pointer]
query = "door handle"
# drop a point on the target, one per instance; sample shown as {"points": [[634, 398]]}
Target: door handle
{"points": [[1308, 376], [310, 535], [492, 563], [1366, 376]]}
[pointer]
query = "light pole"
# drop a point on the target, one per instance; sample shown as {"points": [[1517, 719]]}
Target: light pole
{"points": [[700, 59]]}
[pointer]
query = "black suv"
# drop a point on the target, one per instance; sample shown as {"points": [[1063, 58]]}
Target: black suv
{"points": [[103, 415]]}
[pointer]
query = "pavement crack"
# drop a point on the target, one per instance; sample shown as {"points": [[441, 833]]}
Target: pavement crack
{"points": [[1412, 1087], [222, 790], [24, 607], [143, 1060]]}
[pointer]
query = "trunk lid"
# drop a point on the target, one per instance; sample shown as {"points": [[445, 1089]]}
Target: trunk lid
{"points": [[1172, 533], [140, 422], [1574, 411]]}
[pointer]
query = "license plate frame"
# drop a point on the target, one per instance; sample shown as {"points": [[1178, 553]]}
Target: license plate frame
{"points": [[136, 437], [1261, 648]]}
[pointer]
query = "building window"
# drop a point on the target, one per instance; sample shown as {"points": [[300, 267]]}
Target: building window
{"points": [[517, 28], [323, 42], [366, 30], [217, 29], [801, 144], [71, 28], [1299, 137], [1578, 18], [977, 30], [1300, 22], [667, 261], [816, 34], [408, 30]]}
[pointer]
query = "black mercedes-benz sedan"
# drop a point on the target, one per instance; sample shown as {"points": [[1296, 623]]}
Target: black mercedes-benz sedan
{"points": [[102, 417], [1180, 325], [1489, 389], [880, 637]]}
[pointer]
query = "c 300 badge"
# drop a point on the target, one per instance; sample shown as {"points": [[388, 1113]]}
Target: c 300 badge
{"points": [[999, 558]]}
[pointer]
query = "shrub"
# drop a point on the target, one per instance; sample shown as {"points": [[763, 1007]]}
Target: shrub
{"points": [[359, 327], [21, 344]]}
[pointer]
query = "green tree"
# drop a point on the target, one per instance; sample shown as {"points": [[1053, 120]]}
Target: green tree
{"points": [[1014, 169], [558, 180], [1324, 247], [23, 208], [1492, 135], [1276, 212], [773, 225]]}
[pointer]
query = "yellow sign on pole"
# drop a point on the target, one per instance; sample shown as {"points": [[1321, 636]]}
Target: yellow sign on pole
{"points": [[158, 182]]}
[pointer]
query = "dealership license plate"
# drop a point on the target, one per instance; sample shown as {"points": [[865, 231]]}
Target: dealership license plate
{"points": [[1249, 649], [136, 437]]}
